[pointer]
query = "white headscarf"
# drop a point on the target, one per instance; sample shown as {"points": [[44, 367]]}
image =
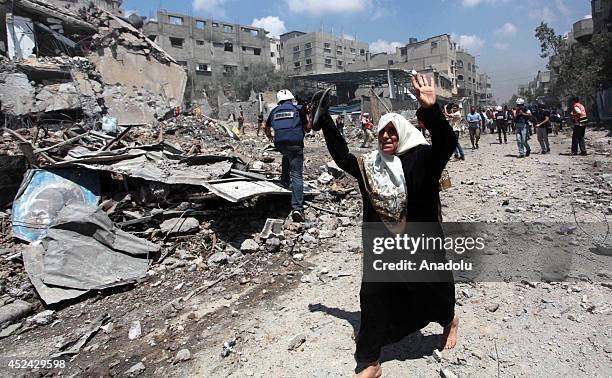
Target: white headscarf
{"points": [[384, 173]]}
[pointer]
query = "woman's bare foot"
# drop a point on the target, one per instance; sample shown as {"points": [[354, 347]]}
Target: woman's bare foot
{"points": [[374, 370], [449, 336]]}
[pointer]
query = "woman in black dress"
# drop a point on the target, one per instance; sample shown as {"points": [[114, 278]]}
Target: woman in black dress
{"points": [[400, 183]]}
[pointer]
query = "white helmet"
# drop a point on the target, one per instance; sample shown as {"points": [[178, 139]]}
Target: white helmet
{"points": [[284, 95], [499, 108], [520, 101]]}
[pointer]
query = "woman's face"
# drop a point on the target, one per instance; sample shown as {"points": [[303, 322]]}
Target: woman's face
{"points": [[388, 139]]}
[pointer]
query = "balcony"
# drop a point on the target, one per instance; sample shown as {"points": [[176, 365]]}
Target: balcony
{"points": [[583, 30]]}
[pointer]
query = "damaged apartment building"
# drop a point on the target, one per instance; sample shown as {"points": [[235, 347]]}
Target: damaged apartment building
{"points": [[67, 65], [318, 52], [209, 49], [76, 6]]}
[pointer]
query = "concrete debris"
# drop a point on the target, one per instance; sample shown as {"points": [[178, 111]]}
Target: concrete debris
{"points": [[135, 330], [43, 318], [182, 356], [492, 307], [218, 258], [9, 330], [249, 246], [228, 347], [325, 178], [307, 238], [273, 244], [74, 346], [12, 312], [296, 341], [135, 370], [273, 227], [121, 77], [180, 226], [447, 373], [437, 355]]}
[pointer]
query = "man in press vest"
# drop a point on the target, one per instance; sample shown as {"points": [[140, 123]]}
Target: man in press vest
{"points": [[290, 123], [579, 116]]}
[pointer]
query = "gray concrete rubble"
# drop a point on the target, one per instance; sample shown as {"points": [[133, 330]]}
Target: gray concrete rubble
{"points": [[12, 312], [115, 73]]}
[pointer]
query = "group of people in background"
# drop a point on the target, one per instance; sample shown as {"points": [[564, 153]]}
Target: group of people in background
{"points": [[520, 120]]}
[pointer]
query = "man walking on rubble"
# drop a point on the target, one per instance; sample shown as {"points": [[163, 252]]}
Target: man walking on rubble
{"points": [[260, 122], [502, 117], [474, 121], [521, 119], [241, 122], [542, 126], [290, 123], [366, 126], [579, 116]]}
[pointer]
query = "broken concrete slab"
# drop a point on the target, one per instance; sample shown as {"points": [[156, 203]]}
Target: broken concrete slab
{"points": [[273, 227], [14, 311], [8, 331], [149, 87], [180, 226], [249, 246], [17, 96]]}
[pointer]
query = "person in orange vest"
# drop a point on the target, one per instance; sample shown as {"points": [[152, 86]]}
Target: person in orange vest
{"points": [[579, 115]]}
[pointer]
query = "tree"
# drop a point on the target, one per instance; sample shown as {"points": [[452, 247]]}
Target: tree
{"points": [[259, 77], [550, 43], [578, 69]]}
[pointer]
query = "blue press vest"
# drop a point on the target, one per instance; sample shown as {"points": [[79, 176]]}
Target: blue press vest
{"points": [[287, 124]]}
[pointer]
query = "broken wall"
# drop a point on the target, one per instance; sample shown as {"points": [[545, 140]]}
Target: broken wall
{"points": [[138, 90], [142, 82], [123, 73]]}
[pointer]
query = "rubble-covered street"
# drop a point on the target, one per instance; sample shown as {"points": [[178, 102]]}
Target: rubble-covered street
{"points": [[146, 228], [228, 296]]}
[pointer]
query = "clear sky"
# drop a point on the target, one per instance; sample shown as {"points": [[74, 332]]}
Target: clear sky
{"points": [[499, 32]]}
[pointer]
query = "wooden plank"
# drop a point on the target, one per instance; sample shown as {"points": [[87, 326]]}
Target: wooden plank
{"points": [[28, 151], [61, 144], [22, 139], [117, 139]]}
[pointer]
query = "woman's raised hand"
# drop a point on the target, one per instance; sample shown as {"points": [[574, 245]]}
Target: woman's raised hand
{"points": [[425, 90]]}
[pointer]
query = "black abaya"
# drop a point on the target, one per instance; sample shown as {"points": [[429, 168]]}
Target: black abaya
{"points": [[392, 310]]}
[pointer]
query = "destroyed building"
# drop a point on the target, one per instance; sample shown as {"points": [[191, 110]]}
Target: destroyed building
{"points": [[113, 6], [208, 49], [90, 63]]}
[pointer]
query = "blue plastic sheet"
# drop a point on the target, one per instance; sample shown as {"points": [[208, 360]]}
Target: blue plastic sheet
{"points": [[44, 193]]}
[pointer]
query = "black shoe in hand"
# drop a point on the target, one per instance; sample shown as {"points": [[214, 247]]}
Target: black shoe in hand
{"points": [[320, 108]]}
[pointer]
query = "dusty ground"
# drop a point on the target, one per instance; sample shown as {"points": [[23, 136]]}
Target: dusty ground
{"points": [[541, 329]]}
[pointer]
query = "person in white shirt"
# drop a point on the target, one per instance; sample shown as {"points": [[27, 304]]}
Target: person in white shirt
{"points": [[454, 118]]}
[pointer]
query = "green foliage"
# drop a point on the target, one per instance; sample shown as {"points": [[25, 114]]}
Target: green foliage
{"points": [[550, 43], [259, 77], [579, 69]]}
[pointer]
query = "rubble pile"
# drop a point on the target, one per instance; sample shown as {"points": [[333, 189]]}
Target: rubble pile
{"points": [[75, 66]]}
